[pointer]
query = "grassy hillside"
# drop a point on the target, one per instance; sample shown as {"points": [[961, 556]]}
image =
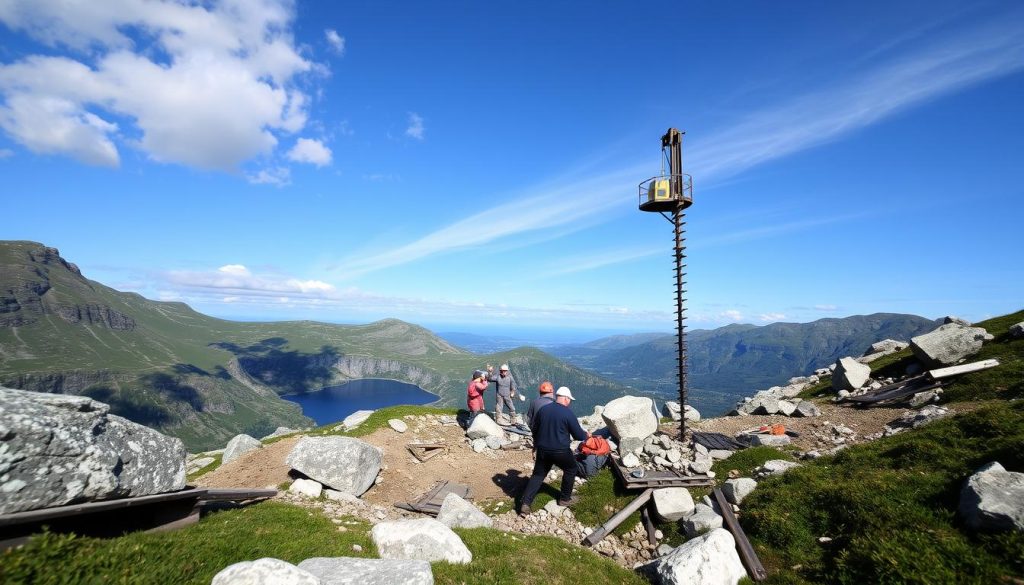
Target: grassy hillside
{"points": [[205, 379], [890, 507]]}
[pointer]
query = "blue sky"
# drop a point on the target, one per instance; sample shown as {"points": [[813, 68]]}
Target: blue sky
{"points": [[474, 164]]}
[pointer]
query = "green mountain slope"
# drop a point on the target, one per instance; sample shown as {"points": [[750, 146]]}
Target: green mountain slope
{"points": [[728, 363], [205, 379]]}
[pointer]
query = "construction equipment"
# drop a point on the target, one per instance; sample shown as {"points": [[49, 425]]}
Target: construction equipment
{"points": [[672, 192]]}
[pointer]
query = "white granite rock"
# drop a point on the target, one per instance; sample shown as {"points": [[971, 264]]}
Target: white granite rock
{"points": [[342, 463], [238, 446], [458, 513], [850, 374], [672, 503], [483, 426], [356, 418], [948, 344], [737, 489], [630, 416], [993, 499], [710, 559], [265, 571], [355, 571], [306, 487], [398, 425], [424, 539]]}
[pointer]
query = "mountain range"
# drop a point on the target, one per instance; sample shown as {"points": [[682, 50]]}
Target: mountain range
{"points": [[730, 362], [205, 379]]}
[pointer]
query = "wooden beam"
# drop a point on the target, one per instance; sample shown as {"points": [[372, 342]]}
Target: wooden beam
{"points": [[601, 531], [962, 369], [743, 546]]}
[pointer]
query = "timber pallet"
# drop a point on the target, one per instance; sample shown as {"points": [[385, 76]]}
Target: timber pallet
{"points": [[430, 502], [426, 451], [657, 479], [717, 441]]}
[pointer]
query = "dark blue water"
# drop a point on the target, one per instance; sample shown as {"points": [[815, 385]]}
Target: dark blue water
{"points": [[334, 403]]}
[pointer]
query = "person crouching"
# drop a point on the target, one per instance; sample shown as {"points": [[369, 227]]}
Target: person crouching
{"points": [[552, 427]]}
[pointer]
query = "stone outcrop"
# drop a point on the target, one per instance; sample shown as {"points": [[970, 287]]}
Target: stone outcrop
{"points": [[424, 539], [57, 449], [356, 418], [342, 463], [353, 571], [993, 499], [948, 344], [1017, 330], [458, 513], [711, 558], [265, 571], [238, 446], [631, 416], [850, 374]]}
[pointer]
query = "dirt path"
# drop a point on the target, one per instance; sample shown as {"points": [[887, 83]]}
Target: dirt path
{"points": [[490, 474]]}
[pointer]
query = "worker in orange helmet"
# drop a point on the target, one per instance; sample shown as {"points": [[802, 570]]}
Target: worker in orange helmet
{"points": [[547, 396]]}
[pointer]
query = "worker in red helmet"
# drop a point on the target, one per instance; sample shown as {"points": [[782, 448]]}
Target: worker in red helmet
{"points": [[547, 396]]}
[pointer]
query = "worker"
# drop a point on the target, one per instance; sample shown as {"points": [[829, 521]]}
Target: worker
{"points": [[475, 395], [506, 391], [547, 396], [552, 427]]}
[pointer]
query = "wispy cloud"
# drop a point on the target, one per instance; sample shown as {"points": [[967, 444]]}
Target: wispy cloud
{"points": [[415, 128], [336, 41], [956, 61], [594, 260], [952, 62], [549, 208]]}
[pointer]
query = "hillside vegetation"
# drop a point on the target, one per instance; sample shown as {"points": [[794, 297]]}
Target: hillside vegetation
{"points": [[730, 362], [205, 379]]}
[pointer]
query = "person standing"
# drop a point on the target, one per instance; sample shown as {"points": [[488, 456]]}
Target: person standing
{"points": [[547, 396], [505, 393], [475, 394], [552, 427]]}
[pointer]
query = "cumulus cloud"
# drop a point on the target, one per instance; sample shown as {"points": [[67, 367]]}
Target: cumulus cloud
{"points": [[307, 150], [207, 85], [336, 41], [415, 128]]}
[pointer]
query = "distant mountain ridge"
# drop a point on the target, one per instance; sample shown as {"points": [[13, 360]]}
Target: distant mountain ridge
{"points": [[730, 362], [205, 379]]}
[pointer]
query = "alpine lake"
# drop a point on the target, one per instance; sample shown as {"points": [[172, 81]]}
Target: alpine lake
{"points": [[334, 403]]}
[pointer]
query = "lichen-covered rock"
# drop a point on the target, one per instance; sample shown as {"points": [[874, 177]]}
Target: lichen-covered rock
{"points": [[353, 571], [424, 539], [948, 344], [342, 463], [458, 513], [57, 449], [850, 374], [631, 416], [238, 446], [265, 571], [993, 499]]}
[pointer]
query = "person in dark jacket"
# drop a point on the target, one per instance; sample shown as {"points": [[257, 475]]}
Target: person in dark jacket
{"points": [[553, 426], [547, 396]]}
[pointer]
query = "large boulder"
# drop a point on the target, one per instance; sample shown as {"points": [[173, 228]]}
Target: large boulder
{"points": [[458, 513], [672, 410], [993, 499], [631, 416], [672, 503], [710, 559], [886, 346], [57, 449], [353, 571], [1017, 330], [342, 463], [948, 344], [265, 571], [483, 426], [425, 539], [850, 374], [238, 446], [763, 403], [806, 408]]}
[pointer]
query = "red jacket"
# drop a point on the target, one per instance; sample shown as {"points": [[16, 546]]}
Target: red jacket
{"points": [[475, 395]]}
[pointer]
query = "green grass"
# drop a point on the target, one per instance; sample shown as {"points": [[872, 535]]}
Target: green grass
{"points": [[195, 554], [890, 508], [217, 459]]}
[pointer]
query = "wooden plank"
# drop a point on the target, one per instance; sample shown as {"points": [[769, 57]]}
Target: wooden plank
{"points": [[426, 451], [94, 507], [962, 369], [601, 531], [430, 503], [892, 395], [235, 495], [717, 441], [747, 554]]}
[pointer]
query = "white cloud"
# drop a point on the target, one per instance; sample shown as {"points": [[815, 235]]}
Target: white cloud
{"points": [[336, 41], [278, 176], [415, 128], [826, 308], [731, 315], [238, 279], [771, 317], [307, 150], [208, 85]]}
